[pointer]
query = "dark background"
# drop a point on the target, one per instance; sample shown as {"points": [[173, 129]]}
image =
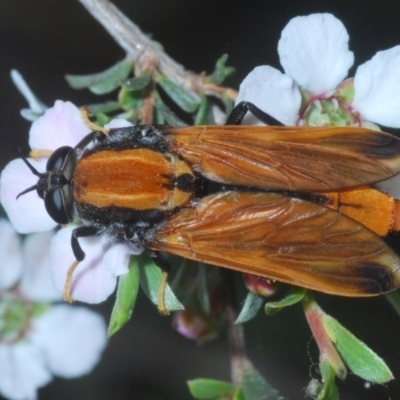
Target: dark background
{"points": [[44, 39]]}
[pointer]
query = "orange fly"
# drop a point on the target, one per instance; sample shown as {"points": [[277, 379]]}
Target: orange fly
{"points": [[286, 203]]}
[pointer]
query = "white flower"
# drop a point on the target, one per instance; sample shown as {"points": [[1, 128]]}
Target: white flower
{"points": [[96, 277], [61, 125], [314, 54], [39, 340]]}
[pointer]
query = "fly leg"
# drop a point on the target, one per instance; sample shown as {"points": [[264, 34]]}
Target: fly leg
{"points": [[240, 110], [82, 231]]}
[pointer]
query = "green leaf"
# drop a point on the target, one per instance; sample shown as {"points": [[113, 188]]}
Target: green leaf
{"points": [[130, 100], [394, 300], [101, 119], [251, 307], [102, 82], [295, 295], [169, 117], [238, 394], [105, 108], [158, 117], [136, 84], [184, 99], [328, 390], [221, 71], [255, 387], [209, 389], [356, 354], [128, 287], [150, 280], [204, 114]]}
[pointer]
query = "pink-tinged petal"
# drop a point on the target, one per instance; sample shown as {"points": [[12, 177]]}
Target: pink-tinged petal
{"points": [[10, 250], [314, 51], [72, 338], [61, 125], [193, 326], [22, 371], [273, 92], [91, 282], [391, 185], [118, 123], [36, 283], [116, 259], [377, 88], [27, 214]]}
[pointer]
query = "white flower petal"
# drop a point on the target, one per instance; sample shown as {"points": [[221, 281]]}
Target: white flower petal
{"points": [[116, 259], [377, 88], [118, 123], [72, 338], [61, 125], [27, 214], [36, 283], [22, 371], [10, 250], [314, 51], [273, 92], [91, 282]]}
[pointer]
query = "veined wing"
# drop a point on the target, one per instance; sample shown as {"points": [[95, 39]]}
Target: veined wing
{"points": [[282, 238], [288, 158]]}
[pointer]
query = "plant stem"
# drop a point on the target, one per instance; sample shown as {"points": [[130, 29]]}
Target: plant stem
{"points": [[148, 54], [136, 44], [239, 361]]}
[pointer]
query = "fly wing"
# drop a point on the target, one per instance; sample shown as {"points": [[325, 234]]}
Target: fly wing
{"points": [[288, 158], [286, 239]]}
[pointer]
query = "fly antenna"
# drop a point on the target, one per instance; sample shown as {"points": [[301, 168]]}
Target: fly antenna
{"points": [[30, 166], [33, 170], [30, 189]]}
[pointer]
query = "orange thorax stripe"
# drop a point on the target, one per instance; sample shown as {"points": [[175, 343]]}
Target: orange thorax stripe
{"points": [[137, 178]]}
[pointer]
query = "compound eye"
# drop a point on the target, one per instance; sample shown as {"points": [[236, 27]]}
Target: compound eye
{"points": [[57, 159], [56, 206]]}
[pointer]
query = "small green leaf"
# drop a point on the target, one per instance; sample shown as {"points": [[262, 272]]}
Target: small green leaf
{"points": [[137, 83], [128, 287], [184, 99], [101, 119], [102, 82], [158, 117], [394, 300], [238, 394], [358, 357], [251, 307], [255, 387], [221, 71], [150, 280], [169, 117], [295, 295], [204, 114], [107, 107], [209, 389], [328, 389], [130, 100]]}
